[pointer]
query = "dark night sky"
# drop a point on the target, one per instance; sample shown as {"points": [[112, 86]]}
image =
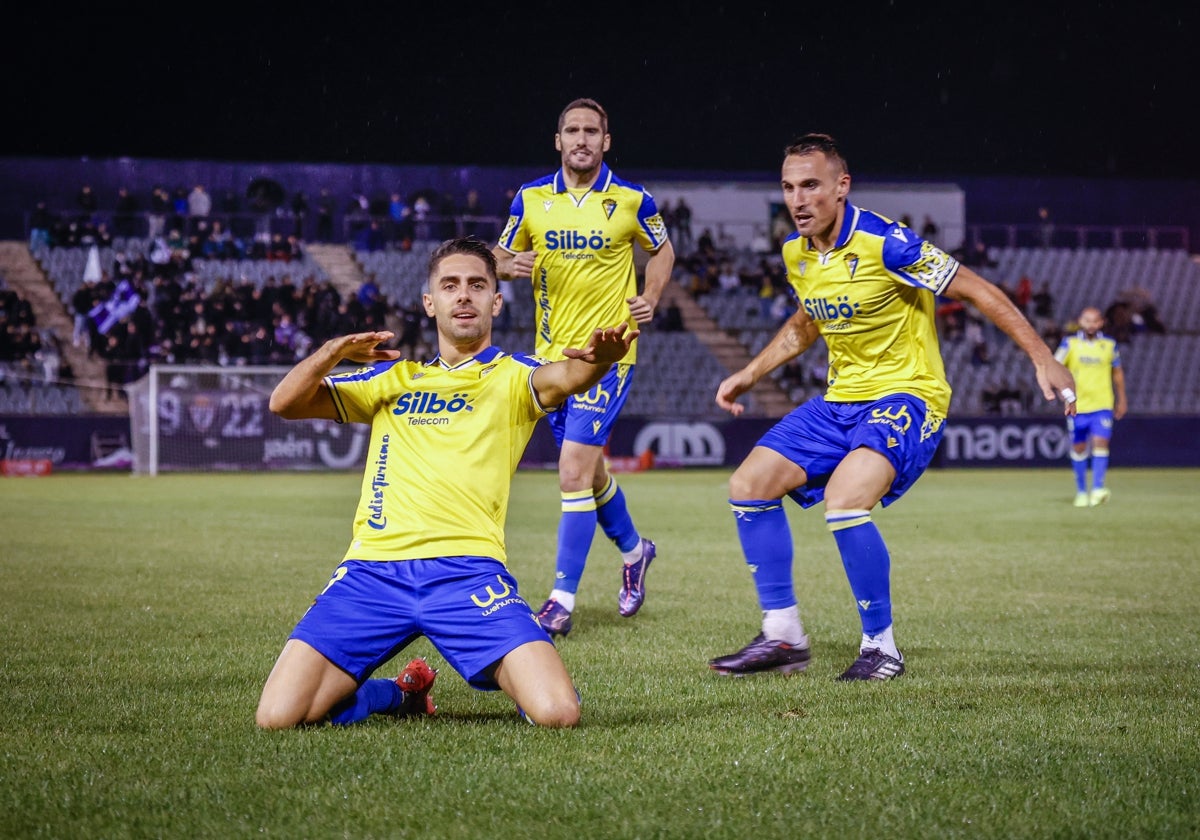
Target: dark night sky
{"points": [[909, 88]]}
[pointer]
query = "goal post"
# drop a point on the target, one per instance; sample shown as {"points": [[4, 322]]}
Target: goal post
{"points": [[202, 418]]}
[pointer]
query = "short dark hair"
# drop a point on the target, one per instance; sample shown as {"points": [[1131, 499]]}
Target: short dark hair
{"points": [[591, 105], [472, 246], [806, 144]]}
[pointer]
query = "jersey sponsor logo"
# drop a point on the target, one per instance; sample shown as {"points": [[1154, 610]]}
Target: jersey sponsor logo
{"points": [[823, 309], [574, 240], [895, 416], [429, 402], [492, 595], [376, 520]]}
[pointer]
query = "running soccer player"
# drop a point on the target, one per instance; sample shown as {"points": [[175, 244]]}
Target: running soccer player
{"points": [[573, 233], [868, 286], [427, 556], [1095, 361]]}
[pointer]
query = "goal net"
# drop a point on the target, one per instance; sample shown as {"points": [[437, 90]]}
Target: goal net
{"points": [[199, 418]]}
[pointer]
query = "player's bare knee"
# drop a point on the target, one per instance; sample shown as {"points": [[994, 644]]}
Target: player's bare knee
{"points": [[742, 486], [556, 714], [270, 717]]}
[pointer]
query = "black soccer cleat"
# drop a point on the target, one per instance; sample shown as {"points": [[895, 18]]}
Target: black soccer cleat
{"points": [[874, 664], [761, 656]]}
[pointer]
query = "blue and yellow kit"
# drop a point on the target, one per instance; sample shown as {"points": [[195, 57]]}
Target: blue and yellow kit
{"points": [[584, 270], [872, 297], [1091, 362], [445, 442]]}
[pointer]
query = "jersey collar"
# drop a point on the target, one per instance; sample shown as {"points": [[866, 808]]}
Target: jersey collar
{"points": [[849, 225], [483, 357], [603, 180]]}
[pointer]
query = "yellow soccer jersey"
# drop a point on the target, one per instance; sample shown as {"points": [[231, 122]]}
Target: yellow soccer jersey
{"points": [[1091, 363], [872, 296], [584, 271], [444, 445]]}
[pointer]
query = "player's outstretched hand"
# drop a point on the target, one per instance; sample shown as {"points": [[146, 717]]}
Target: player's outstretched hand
{"points": [[363, 347], [608, 345], [731, 388], [1056, 382]]}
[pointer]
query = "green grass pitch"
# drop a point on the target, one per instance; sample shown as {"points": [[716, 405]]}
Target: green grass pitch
{"points": [[1053, 686]]}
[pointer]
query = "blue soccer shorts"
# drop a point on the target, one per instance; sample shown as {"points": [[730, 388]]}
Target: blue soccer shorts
{"points": [[468, 608], [1093, 424], [817, 435], [588, 418]]}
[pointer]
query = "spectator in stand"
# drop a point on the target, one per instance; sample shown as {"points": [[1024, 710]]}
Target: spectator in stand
{"points": [[86, 201], [422, 211], [978, 255], [683, 224], [299, 213], [1043, 315], [1045, 227], [1023, 294], [125, 215], [400, 222], [929, 228], [766, 295], [199, 203], [474, 216], [728, 280], [672, 319], [324, 216], [160, 206], [179, 210], [41, 222], [82, 302]]}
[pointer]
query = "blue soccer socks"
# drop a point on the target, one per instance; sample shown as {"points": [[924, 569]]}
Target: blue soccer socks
{"points": [[576, 529], [867, 564], [612, 513], [766, 540]]}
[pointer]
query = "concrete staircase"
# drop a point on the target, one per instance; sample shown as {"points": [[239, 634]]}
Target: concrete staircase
{"points": [[339, 263], [24, 276], [728, 350]]}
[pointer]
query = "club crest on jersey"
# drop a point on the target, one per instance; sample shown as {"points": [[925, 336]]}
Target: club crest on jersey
{"points": [[610, 207], [852, 263]]}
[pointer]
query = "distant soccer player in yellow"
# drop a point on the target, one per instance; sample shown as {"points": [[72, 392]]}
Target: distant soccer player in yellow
{"points": [[868, 286], [573, 233], [427, 555], [1095, 361]]}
